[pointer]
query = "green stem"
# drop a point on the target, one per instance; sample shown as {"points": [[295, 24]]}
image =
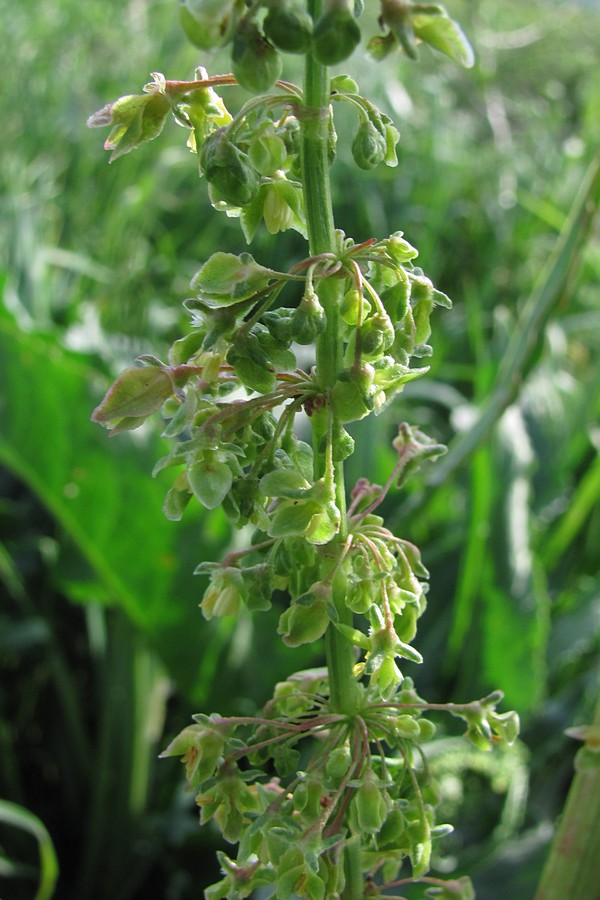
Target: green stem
{"points": [[573, 867], [322, 239]]}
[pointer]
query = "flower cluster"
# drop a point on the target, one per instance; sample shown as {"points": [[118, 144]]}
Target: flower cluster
{"points": [[317, 791]]}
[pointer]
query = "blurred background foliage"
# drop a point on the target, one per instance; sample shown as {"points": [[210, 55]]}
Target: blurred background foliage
{"points": [[103, 652]]}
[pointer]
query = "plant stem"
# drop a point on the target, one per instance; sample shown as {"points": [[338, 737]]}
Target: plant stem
{"points": [[322, 239], [573, 867]]}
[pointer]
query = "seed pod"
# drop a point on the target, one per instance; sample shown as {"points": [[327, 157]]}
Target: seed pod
{"points": [[303, 622], [277, 212], [309, 320], [377, 336], [422, 302], [210, 479], [256, 63], [288, 26], [427, 730], [279, 323], [343, 444], [351, 394], [393, 832], [350, 307], [228, 170], [208, 23], [254, 376], [406, 727], [369, 146], [336, 34], [267, 151], [338, 763], [370, 806], [395, 298]]}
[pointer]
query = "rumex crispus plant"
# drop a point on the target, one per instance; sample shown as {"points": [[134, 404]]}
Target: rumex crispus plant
{"points": [[328, 793]]}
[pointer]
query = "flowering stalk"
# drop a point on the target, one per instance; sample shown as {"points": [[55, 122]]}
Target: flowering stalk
{"points": [[362, 808]]}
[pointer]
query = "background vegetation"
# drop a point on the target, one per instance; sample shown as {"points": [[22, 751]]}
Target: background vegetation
{"points": [[103, 652]]}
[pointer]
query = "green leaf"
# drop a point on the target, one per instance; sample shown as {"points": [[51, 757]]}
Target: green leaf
{"points": [[444, 34], [116, 545]]}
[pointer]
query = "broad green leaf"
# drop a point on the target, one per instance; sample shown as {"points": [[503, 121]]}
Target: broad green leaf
{"points": [[116, 544]]}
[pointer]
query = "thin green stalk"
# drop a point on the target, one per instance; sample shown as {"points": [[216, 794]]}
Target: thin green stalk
{"points": [[573, 867], [322, 239]]}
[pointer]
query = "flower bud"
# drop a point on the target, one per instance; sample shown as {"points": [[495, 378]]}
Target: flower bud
{"points": [[256, 63], [354, 307], [399, 248], [267, 151], [422, 302], [338, 763], [208, 23], [309, 320], [228, 170], [395, 298], [288, 26], [351, 394], [210, 478], [222, 597], [393, 832], [304, 622], [277, 212], [336, 34], [370, 806], [369, 146], [377, 335]]}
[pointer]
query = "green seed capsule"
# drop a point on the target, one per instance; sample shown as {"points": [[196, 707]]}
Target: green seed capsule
{"points": [[368, 146], [370, 807], [309, 320], [336, 35], [350, 307], [228, 170], [393, 831], [288, 26], [207, 23], [395, 298], [256, 63], [338, 764], [426, 730], [267, 151], [377, 336]]}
